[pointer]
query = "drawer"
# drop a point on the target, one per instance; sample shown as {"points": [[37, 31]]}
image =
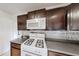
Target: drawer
{"points": [[53, 53], [15, 45]]}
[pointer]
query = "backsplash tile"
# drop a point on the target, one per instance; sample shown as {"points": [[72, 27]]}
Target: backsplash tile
{"points": [[49, 34]]}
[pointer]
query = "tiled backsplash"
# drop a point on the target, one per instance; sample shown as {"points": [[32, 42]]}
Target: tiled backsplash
{"points": [[67, 35], [49, 34], [72, 35]]}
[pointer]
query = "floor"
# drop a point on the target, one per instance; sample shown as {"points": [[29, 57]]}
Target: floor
{"points": [[6, 54]]}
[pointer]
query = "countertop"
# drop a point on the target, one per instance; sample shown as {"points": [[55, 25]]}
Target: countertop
{"points": [[18, 40], [61, 47]]}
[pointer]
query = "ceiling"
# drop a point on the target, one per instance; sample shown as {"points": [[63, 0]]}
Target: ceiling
{"points": [[23, 8]]}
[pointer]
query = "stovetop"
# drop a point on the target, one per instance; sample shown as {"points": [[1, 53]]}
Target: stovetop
{"points": [[29, 42], [37, 43]]}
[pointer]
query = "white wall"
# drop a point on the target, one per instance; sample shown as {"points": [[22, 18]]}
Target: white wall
{"points": [[7, 30]]}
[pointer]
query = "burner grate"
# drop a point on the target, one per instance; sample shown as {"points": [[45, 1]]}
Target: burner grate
{"points": [[29, 42], [40, 43]]}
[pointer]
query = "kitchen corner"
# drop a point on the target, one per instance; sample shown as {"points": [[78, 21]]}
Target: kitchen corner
{"points": [[52, 32]]}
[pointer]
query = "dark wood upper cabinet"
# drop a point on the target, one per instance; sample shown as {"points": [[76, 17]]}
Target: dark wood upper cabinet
{"points": [[21, 22], [37, 14], [40, 13], [56, 19], [31, 15], [73, 17]]}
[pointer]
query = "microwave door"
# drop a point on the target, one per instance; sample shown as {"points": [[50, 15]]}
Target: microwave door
{"points": [[32, 25], [39, 23]]}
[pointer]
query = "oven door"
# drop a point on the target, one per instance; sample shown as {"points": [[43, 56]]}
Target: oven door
{"points": [[26, 53]]}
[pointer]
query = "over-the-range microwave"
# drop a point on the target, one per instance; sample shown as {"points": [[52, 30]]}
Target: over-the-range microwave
{"points": [[38, 23]]}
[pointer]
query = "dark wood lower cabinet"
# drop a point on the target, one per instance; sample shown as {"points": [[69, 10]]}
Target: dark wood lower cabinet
{"points": [[15, 49], [52, 53], [15, 52]]}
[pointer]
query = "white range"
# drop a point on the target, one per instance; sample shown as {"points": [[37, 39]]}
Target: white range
{"points": [[35, 45]]}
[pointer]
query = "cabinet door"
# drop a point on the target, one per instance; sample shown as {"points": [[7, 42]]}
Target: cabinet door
{"points": [[52, 53], [40, 13], [73, 16], [15, 52], [31, 15], [56, 19], [21, 20], [36, 14]]}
